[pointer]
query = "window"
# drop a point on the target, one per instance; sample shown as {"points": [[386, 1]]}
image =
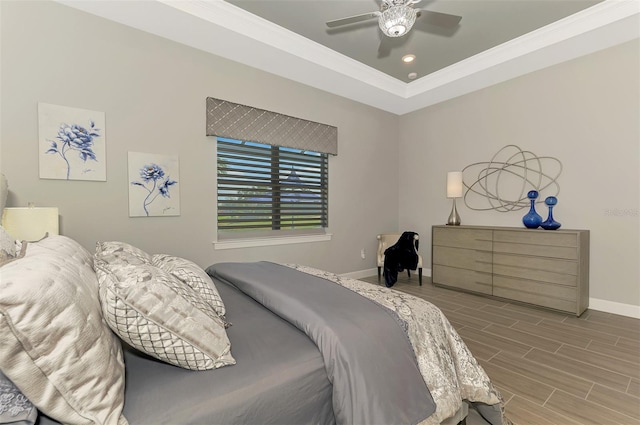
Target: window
{"points": [[266, 190]]}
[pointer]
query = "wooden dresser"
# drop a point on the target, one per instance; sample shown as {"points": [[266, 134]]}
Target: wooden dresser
{"points": [[547, 268]]}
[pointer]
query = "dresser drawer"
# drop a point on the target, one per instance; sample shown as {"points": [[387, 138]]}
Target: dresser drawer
{"points": [[463, 258], [463, 238], [537, 237], [563, 272], [536, 243], [461, 278], [536, 250], [558, 297]]}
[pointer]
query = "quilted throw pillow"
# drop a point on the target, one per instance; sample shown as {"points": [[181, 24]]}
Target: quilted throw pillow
{"points": [[158, 314], [55, 345], [121, 253], [192, 275]]}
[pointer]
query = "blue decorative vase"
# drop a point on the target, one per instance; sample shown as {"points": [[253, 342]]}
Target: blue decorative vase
{"points": [[550, 223], [532, 219]]}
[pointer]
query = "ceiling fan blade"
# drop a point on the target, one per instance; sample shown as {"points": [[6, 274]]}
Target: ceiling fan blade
{"points": [[352, 19], [443, 20], [387, 44], [384, 48]]}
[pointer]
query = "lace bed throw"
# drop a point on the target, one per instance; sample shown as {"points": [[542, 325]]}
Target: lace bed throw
{"points": [[449, 369], [15, 408]]}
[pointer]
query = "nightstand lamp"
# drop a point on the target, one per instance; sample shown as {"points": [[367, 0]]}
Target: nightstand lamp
{"points": [[454, 190], [30, 223]]}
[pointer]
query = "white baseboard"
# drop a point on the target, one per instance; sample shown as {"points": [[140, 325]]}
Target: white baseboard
{"points": [[374, 272], [361, 274], [613, 307]]}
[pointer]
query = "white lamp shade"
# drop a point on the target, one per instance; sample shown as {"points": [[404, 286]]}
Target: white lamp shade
{"points": [[30, 224], [454, 184]]}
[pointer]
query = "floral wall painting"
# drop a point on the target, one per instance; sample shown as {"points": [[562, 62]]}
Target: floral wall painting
{"points": [[153, 185], [72, 143]]}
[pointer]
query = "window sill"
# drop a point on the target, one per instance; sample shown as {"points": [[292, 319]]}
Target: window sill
{"points": [[254, 242]]}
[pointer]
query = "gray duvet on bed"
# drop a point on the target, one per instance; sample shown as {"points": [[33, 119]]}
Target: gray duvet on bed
{"points": [[367, 354], [279, 378]]}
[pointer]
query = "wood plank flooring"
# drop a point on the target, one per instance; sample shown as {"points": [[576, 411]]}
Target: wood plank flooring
{"points": [[551, 368]]}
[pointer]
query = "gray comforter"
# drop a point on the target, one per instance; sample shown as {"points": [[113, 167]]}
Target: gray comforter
{"points": [[451, 372], [279, 378], [367, 355]]}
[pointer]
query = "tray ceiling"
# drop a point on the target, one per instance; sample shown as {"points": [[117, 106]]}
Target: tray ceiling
{"points": [[495, 41]]}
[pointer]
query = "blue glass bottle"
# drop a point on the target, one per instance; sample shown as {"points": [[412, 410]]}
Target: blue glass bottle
{"points": [[550, 223], [532, 219]]}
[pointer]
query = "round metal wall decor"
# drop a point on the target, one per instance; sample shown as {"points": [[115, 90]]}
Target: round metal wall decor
{"points": [[502, 184]]}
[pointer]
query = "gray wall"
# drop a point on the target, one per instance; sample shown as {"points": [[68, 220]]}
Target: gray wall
{"points": [[585, 112], [153, 93], [390, 172]]}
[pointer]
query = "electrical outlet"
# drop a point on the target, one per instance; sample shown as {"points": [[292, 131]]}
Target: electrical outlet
{"points": [[362, 253]]}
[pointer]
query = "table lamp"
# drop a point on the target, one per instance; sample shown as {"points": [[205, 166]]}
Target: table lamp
{"points": [[454, 190], [30, 223]]}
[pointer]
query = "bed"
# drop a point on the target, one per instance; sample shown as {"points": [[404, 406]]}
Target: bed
{"points": [[286, 346]]}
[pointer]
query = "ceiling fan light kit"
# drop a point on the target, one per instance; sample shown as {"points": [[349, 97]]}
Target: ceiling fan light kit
{"points": [[396, 17], [396, 21]]}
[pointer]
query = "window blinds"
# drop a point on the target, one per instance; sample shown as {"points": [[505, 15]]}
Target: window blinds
{"points": [[263, 187]]}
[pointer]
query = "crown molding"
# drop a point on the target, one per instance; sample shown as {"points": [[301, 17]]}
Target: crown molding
{"points": [[593, 18], [259, 43], [601, 26], [262, 31]]}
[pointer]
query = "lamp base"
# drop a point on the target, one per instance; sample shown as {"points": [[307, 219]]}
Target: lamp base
{"points": [[454, 218]]}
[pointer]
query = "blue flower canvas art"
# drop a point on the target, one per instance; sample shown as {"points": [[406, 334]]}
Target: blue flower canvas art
{"points": [[72, 143], [153, 189]]}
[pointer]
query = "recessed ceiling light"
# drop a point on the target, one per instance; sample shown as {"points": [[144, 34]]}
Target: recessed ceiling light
{"points": [[412, 76], [408, 58]]}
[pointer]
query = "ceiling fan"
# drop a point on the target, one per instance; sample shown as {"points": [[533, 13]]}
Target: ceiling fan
{"points": [[396, 17]]}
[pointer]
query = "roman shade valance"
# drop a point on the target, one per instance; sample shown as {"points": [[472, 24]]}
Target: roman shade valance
{"points": [[241, 122]]}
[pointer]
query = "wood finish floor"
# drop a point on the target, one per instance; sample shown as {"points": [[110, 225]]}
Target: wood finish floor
{"points": [[551, 368]]}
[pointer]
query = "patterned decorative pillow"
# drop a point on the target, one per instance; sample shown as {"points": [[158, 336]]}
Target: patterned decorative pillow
{"points": [[7, 246], [120, 253], [15, 408], [191, 274], [4, 192], [21, 247], [56, 347], [156, 313]]}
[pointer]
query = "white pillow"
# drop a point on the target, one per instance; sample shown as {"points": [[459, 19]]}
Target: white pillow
{"points": [[191, 274], [56, 347], [158, 314]]}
